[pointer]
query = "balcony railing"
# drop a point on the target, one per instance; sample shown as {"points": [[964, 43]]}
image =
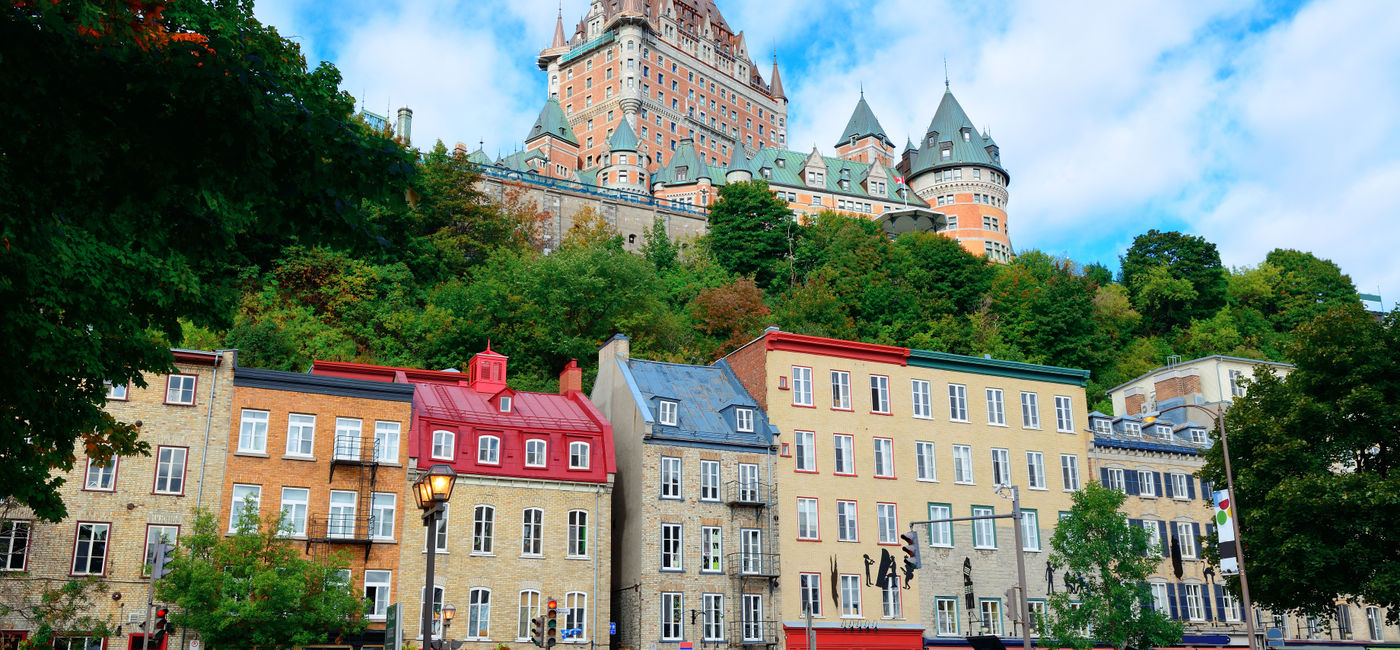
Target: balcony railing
{"points": [[753, 565], [745, 633], [748, 493], [362, 450], [344, 529]]}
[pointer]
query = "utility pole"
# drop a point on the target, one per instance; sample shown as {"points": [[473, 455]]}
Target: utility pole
{"points": [[811, 633]]}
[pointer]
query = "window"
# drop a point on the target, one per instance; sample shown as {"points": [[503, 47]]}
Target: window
{"points": [[77, 643], [1064, 414], [340, 522], [996, 407], [1232, 611], [841, 390], [1069, 472], [879, 394], [244, 496], [844, 462], [1154, 536], [444, 443], [1030, 530], [1159, 596], [962, 464], [667, 411], [90, 550], [1236, 383], [1195, 608], [301, 434], [890, 605], [1178, 485], [1001, 467], [1102, 426], [441, 540], [712, 623], [922, 406], [1037, 612], [531, 531], [801, 386], [115, 392], [157, 534], [347, 438], [575, 615], [670, 616], [810, 589], [846, 521], [578, 455], [748, 483], [744, 420], [957, 402], [1373, 618], [535, 449], [1132, 429], [945, 610], [709, 480], [578, 533], [984, 533], [294, 504], [252, 432], [386, 441], [711, 548], [1146, 487], [378, 586], [887, 523], [991, 616], [806, 458], [14, 545], [923, 456], [382, 510], [479, 614], [529, 609], [940, 534], [1035, 470], [1113, 479], [807, 519], [670, 477], [488, 450], [179, 389], [751, 617], [1186, 537], [751, 550], [1198, 436], [850, 595], [1030, 410], [884, 458]]}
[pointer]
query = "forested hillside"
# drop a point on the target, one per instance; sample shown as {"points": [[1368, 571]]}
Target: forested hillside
{"points": [[461, 270]]}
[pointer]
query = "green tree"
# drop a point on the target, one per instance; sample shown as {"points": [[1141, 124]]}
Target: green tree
{"points": [[750, 230], [1316, 459], [1046, 308], [1107, 558], [1187, 262], [658, 248], [54, 607], [1308, 286], [163, 148], [255, 588]]}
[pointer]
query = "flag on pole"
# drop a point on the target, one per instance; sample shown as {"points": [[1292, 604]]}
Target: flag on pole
{"points": [[1225, 533]]}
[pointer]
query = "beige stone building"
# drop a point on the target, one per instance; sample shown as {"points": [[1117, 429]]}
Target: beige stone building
{"points": [[1209, 380]]}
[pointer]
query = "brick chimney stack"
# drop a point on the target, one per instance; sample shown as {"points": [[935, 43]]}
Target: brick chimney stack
{"points": [[571, 378]]}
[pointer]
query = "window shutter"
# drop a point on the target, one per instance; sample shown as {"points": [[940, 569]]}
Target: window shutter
{"points": [[1206, 491], [1146, 603], [1205, 602], [1130, 481], [1103, 476], [1157, 480], [1166, 543], [1219, 602], [1196, 530], [1190, 486], [1168, 483], [1171, 601]]}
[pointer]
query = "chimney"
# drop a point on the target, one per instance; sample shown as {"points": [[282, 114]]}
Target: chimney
{"points": [[571, 379], [405, 124]]}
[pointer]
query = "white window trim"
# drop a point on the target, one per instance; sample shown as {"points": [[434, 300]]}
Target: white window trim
{"points": [[451, 440], [585, 456]]}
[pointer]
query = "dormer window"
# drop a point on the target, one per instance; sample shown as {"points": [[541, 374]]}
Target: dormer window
{"points": [[766, 172], [504, 404], [967, 136], [780, 162], [682, 173], [853, 140], [488, 450], [1198, 436], [744, 420], [668, 411], [1164, 432], [947, 152], [1132, 429], [1102, 426]]}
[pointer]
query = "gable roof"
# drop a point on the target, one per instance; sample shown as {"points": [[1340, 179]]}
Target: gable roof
{"points": [[705, 397], [553, 123], [863, 124]]}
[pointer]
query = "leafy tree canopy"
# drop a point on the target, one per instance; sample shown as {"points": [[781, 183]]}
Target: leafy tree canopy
{"points": [[1173, 277], [750, 230]]}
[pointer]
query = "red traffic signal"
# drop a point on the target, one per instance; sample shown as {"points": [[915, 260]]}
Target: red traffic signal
{"points": [[162, 612], [553, 604]]}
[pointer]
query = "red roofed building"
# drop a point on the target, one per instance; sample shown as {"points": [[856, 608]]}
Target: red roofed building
{"points": [[530, 516]]}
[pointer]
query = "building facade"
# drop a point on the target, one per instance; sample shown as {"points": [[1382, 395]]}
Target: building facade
{"points": [[874, 437], [529, 519], [328, 454], [694, 523], [118, 511], [1209, 381]]}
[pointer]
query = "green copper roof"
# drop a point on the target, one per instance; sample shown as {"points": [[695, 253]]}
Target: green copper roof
{"points": [[997, 367], [552, 122], [740, 160], [862, 124], [950, 124], [478, 157], [686, 157], [520, 160], [624, 138], [789, 174]]}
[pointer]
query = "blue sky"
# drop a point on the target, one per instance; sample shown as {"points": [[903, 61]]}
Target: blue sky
{"points": [[1258, 125]]}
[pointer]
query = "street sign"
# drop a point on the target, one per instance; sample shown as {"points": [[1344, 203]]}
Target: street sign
{"points": [[391, 628], [1275, 637], [612, 627], [686, 645]]}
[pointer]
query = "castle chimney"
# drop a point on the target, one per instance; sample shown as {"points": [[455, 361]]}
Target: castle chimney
{"points": [[405, 124], [571, 379]]}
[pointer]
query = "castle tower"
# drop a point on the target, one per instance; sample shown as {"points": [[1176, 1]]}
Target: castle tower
{"points": [[686, 178], [864, 139], [554, 139], [958, 172], [624, 168], [738, 170]]}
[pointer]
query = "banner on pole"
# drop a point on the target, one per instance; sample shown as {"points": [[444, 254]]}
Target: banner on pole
{"points": [[1225, 533]]}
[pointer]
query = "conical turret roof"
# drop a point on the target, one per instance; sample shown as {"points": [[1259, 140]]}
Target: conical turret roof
{"points": [[776, 83], [686, 157], [624, 138], [863, 124], [739, 161], [558, 31], [552, 122], [950, 123]]}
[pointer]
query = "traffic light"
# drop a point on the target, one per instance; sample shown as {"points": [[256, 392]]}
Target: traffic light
{"points": [[551, 629], [160, 626], [537, 631], [161, 566], [911, 549]]}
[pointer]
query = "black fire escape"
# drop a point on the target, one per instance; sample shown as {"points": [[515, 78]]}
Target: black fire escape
{"points": [[359, 455], [754, 564]]}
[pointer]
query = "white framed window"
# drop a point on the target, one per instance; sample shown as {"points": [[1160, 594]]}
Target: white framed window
{"points": [[1159, 596], [846, 520], [504, 403], [1232, 613], [1236, 383], [100, 476], [444, 443], [841, 390], [1030, 410], [1001, 466], [810, 589], [441, 540], [532, 532], [479, 613], [179, 389], [252, 431], [115, 392], [945, 610], [850, 596], [1035, 470], [751, 618], [1198, 436], [670, 477], [711, 548], [1186, 537], [1154, 536], [801, 386], [340, 522], [667, 411], [1132, 429], [923, 407], [671, 610], [748, 483], [844, 454], [996, 407], [90, 549], [807, 519], [927, 469], [890, 601], [157, 534], [576, 615], [243, 495], [743, 420], [529, 609], [535, 452], [962, 464], [1195, 608], [1102, 426], [294, 508], [347, 438], [14, 544], [879, 394], [750, 550], [578, 533], [488, 450], [957, 403], [1064, 414], [1113, 479], [383, 508], [991, 615], [578, 455], [1030, 530], [887, 523], [378, 590], [712, 617], [984, 531], [806, 453], [884, 458], [1178, 485], [940, 535], [709, 480], [386, 441], [301, 434], [1146, 486], [1069, 472], [438, 596]]}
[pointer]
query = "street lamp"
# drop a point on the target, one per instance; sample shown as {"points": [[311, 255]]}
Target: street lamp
{"points": [[1219, 417], [432, 490]]}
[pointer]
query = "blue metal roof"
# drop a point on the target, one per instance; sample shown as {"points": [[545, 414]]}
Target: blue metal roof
{"points": [[706, 398]]}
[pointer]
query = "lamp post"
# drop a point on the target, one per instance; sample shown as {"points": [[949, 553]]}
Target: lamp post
{"points": [[1219, 416], [432, 490]]}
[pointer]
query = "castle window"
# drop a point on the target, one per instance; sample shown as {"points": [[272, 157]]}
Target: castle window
{"points": [[780, 162], [681, 173]]}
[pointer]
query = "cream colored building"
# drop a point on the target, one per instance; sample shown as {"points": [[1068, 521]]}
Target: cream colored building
{"points": [[1208, 381]]}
